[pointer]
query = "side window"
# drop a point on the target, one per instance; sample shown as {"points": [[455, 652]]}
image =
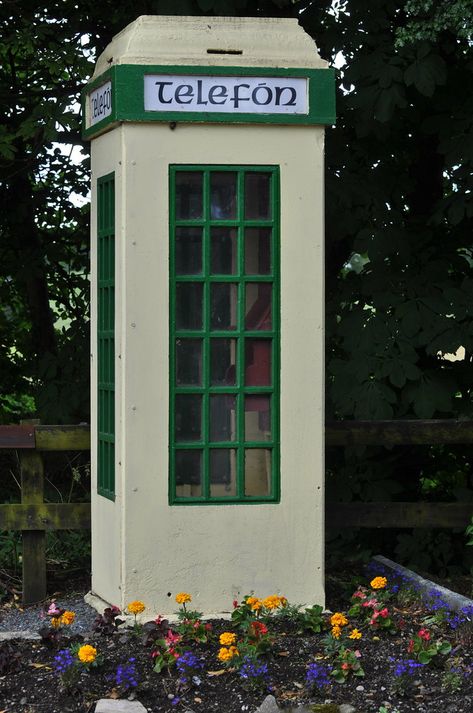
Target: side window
{"points": [[106, 335], [224, 334]]}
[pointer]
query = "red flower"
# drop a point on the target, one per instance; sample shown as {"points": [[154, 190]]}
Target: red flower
{"points": [[345, 666], [384, 612], [424, 634], [235, 603], [208, 626], [410, 647], [259, 628]]}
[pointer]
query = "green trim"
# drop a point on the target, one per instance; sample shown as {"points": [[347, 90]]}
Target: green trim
{"points": [[240, 333], [128, 96], [106, 336]]}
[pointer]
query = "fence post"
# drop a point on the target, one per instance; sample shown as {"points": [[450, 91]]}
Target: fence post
{"points": [[34, 541]]}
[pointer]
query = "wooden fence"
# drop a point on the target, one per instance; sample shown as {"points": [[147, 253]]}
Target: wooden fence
{"points": [[398, 514], [34, 517]]}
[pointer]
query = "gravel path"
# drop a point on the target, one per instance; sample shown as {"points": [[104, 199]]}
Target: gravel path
{"points": [[29, 618]]}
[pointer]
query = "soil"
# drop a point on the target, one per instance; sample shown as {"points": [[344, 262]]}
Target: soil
{"points": [[29, 682]]}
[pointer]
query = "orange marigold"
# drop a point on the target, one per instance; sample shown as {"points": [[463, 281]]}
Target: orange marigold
{"points": [[136, 607], [378, 583], [355, 634], [227, 638], [338, 619], [254, 603], [336, 632], [272, 602], [68, 618], [183, 597], [87, 654], [227, 654]]}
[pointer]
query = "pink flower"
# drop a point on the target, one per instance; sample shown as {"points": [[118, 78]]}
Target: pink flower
{"points": [[424, 634], [208, 626], [410, 647], [359, 594], [53, 610], [369, 603], [172, 638], [384, 612], [158, 620]]}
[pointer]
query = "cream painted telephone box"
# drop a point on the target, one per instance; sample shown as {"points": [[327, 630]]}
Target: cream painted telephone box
{"points": [[207, 312]]}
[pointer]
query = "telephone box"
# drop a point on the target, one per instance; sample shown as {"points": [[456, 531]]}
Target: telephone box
{"points": [[207, 140]]}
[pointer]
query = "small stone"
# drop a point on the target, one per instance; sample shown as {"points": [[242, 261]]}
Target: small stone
{"points": [[23, 701], [360, 688], [269, 705], [109, 705], [346, 708], [170, 696]]}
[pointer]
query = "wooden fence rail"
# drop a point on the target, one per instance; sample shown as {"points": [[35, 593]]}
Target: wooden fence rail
{"points": [[398, 514], [34, 517]]}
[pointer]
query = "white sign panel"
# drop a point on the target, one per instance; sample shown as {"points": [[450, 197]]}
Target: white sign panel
{"points": [[244, 95], [100, 103]]}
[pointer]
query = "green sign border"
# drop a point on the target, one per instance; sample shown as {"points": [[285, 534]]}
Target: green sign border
{"points": [[128, 96]]}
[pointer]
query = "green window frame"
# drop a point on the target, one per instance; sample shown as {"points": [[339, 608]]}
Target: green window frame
{"points": [[106, 336], [224, 295]]}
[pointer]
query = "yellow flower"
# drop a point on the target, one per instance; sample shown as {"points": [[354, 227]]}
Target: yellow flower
{"points": [[136, 607], [272, 602], [183, 597], [355, 634], [254, 603], [234, 651], [227, 638], [68, 618], [87, 654], [336, 632], [56, 622], [378, 583], [338, 619]]}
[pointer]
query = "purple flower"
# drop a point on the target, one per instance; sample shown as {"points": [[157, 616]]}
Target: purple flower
{"points": [[406, 668], [126, 676], [188, 664], [63, 661], [317, 675]]}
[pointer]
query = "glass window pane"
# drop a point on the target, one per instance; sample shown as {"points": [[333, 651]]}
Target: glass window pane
{"points": [[222, 417], [257, 471], [188, 362], [223, 472], [258, 362], [188, 473], [223, 258], [258, 251], [188, 251], [223, 192], [258, 305], [223, 305], [257, 196], [188, 417], [223, 362], [258, 417], [189, 305], [188, 195]]}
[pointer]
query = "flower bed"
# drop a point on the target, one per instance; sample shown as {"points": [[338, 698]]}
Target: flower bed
{"points": [[388, 650]]}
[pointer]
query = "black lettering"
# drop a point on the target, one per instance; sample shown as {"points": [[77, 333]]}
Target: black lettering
{"points": [[259, 88], [222, 93], [183, 91], [108, 99], [199, 92], [280, 90], [101, 105], [161, 98], [236, 98]]}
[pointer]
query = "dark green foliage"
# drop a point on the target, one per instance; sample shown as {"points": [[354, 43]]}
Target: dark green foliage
{"points": [[399, 220]]}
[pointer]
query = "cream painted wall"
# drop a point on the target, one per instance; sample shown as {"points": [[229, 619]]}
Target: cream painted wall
{"points": [[216, 552]]}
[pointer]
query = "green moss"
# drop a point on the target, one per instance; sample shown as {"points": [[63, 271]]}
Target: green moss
{"points": [[324, 708]]}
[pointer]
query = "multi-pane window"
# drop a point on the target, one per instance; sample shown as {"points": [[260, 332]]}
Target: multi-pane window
{"points": [[106, 335], [224, 334]]}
